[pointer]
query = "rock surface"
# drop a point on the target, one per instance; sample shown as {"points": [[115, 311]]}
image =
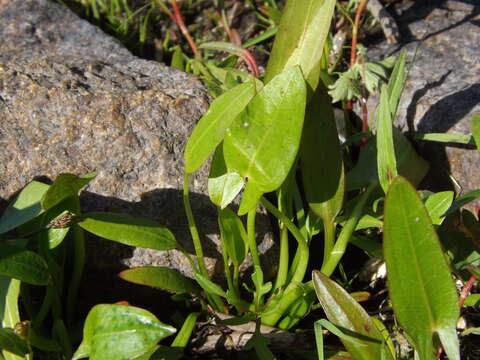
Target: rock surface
{"points": [[72, 99], [443, 87]]}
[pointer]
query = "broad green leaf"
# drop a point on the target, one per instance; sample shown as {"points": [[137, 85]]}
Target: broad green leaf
{"points": [[421, 288], [24, 208], [446, 138], [262, 143], [250, 198], [409, 163], [437, 204], [260, 344], [396, 83], [129, 230], [24, 265], [9, 315], [178, 61], [210, 130], [370, 245], [321, 159], [223, 186], [302, 32], [234, 236], [342, 310], [476, 130], [472, 300], [11, 342], [346, 87], [209, 286], [162, 278], [386, 161], [113, 332], [64, 186]]}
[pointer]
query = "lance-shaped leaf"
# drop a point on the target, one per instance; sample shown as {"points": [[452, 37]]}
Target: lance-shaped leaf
{"points": [[421, 288], [24, 265], [386, 161], [161, 278], [13, 343], [262, 142], [476, 130], [234, 236], [113, 332], [64, 186], [25, 207], [129, 230], [223, 186], [343, 311], [321, 158], [300, 39], [211, 128], [396, 83], [438, 204]]}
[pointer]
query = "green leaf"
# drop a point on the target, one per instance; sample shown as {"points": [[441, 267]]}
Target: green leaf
{"points": [[234, 236], [446, 138], [210, 130], [260, 344], [409, 163], [302, 32], [463, 200], [343, 311], [9, 315], [183, 336], [346, 87], [321, 159], [24, 208], [129, 230], [161, 278], [24, 265], [396, 83], [11, 342], [178, 61], [423, 294], [223, 186], [209, 286], [476, 129], [472, 300], [386, 161], [375, 73], [262, 142], [64, 186], [437, 205], [114, 332]]}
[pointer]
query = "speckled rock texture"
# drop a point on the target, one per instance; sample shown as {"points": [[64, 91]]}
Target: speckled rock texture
{"points": [[72, 99], [443, 88]]}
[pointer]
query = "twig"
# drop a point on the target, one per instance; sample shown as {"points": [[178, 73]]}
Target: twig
{"points": [[466, 290]]}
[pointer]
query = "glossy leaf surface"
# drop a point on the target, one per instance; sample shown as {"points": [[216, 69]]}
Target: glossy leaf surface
{"points": [[321, 158], [114, 332], [64, 186], [13, 343], [161, 278], [234, 236], [343, 311], [386, 161], [421, 288], [438, 204], [24, 265], [262, 142], [129, 230], [210, 130], [300, 39], [25, 207]]}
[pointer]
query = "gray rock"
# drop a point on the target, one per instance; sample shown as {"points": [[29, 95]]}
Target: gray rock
{"points": [[443, 88], [72, 99]]}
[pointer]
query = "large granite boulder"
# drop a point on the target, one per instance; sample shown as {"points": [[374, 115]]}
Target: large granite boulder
{"points": [[73, 99], [443, 87]]}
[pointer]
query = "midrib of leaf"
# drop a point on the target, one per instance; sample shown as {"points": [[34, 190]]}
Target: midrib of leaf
{"points": [[417, 267], [304, 31]]}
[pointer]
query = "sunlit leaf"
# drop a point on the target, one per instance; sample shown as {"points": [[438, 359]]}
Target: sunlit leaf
{"points": [[129, 230], [9, 314], [64, 186], [437, 204], [396, 83], [161, 278], [211, 128], [24, 265], [25, 207], [113, 332], [343, 311], [262, 142], [476, 129], [421, 288], [446, 138], [300, 39]]}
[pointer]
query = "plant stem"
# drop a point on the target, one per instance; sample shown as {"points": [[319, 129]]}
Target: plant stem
{"points": [[177, 15], [466, 290], [252, 242], [329, 238], [282, 274], [78, 265], [344, 237], [358, 16]]}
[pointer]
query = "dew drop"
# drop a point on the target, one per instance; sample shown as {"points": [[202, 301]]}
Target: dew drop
{"points": [[246, 124], [417, 219]]}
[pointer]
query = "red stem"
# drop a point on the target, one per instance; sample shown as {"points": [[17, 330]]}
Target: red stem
{"points": [[358, 16], [466, 290], [177, 17]]}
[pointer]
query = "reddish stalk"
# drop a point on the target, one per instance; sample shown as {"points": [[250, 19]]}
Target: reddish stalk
{"points": [[466, 290], [177, 17]]}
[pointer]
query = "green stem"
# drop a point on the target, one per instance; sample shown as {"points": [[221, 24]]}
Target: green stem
{"points": [[78, 264], [252, 241], [302, 242], [329, 238], [193, 228], [338, 250], [284, 205]]}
